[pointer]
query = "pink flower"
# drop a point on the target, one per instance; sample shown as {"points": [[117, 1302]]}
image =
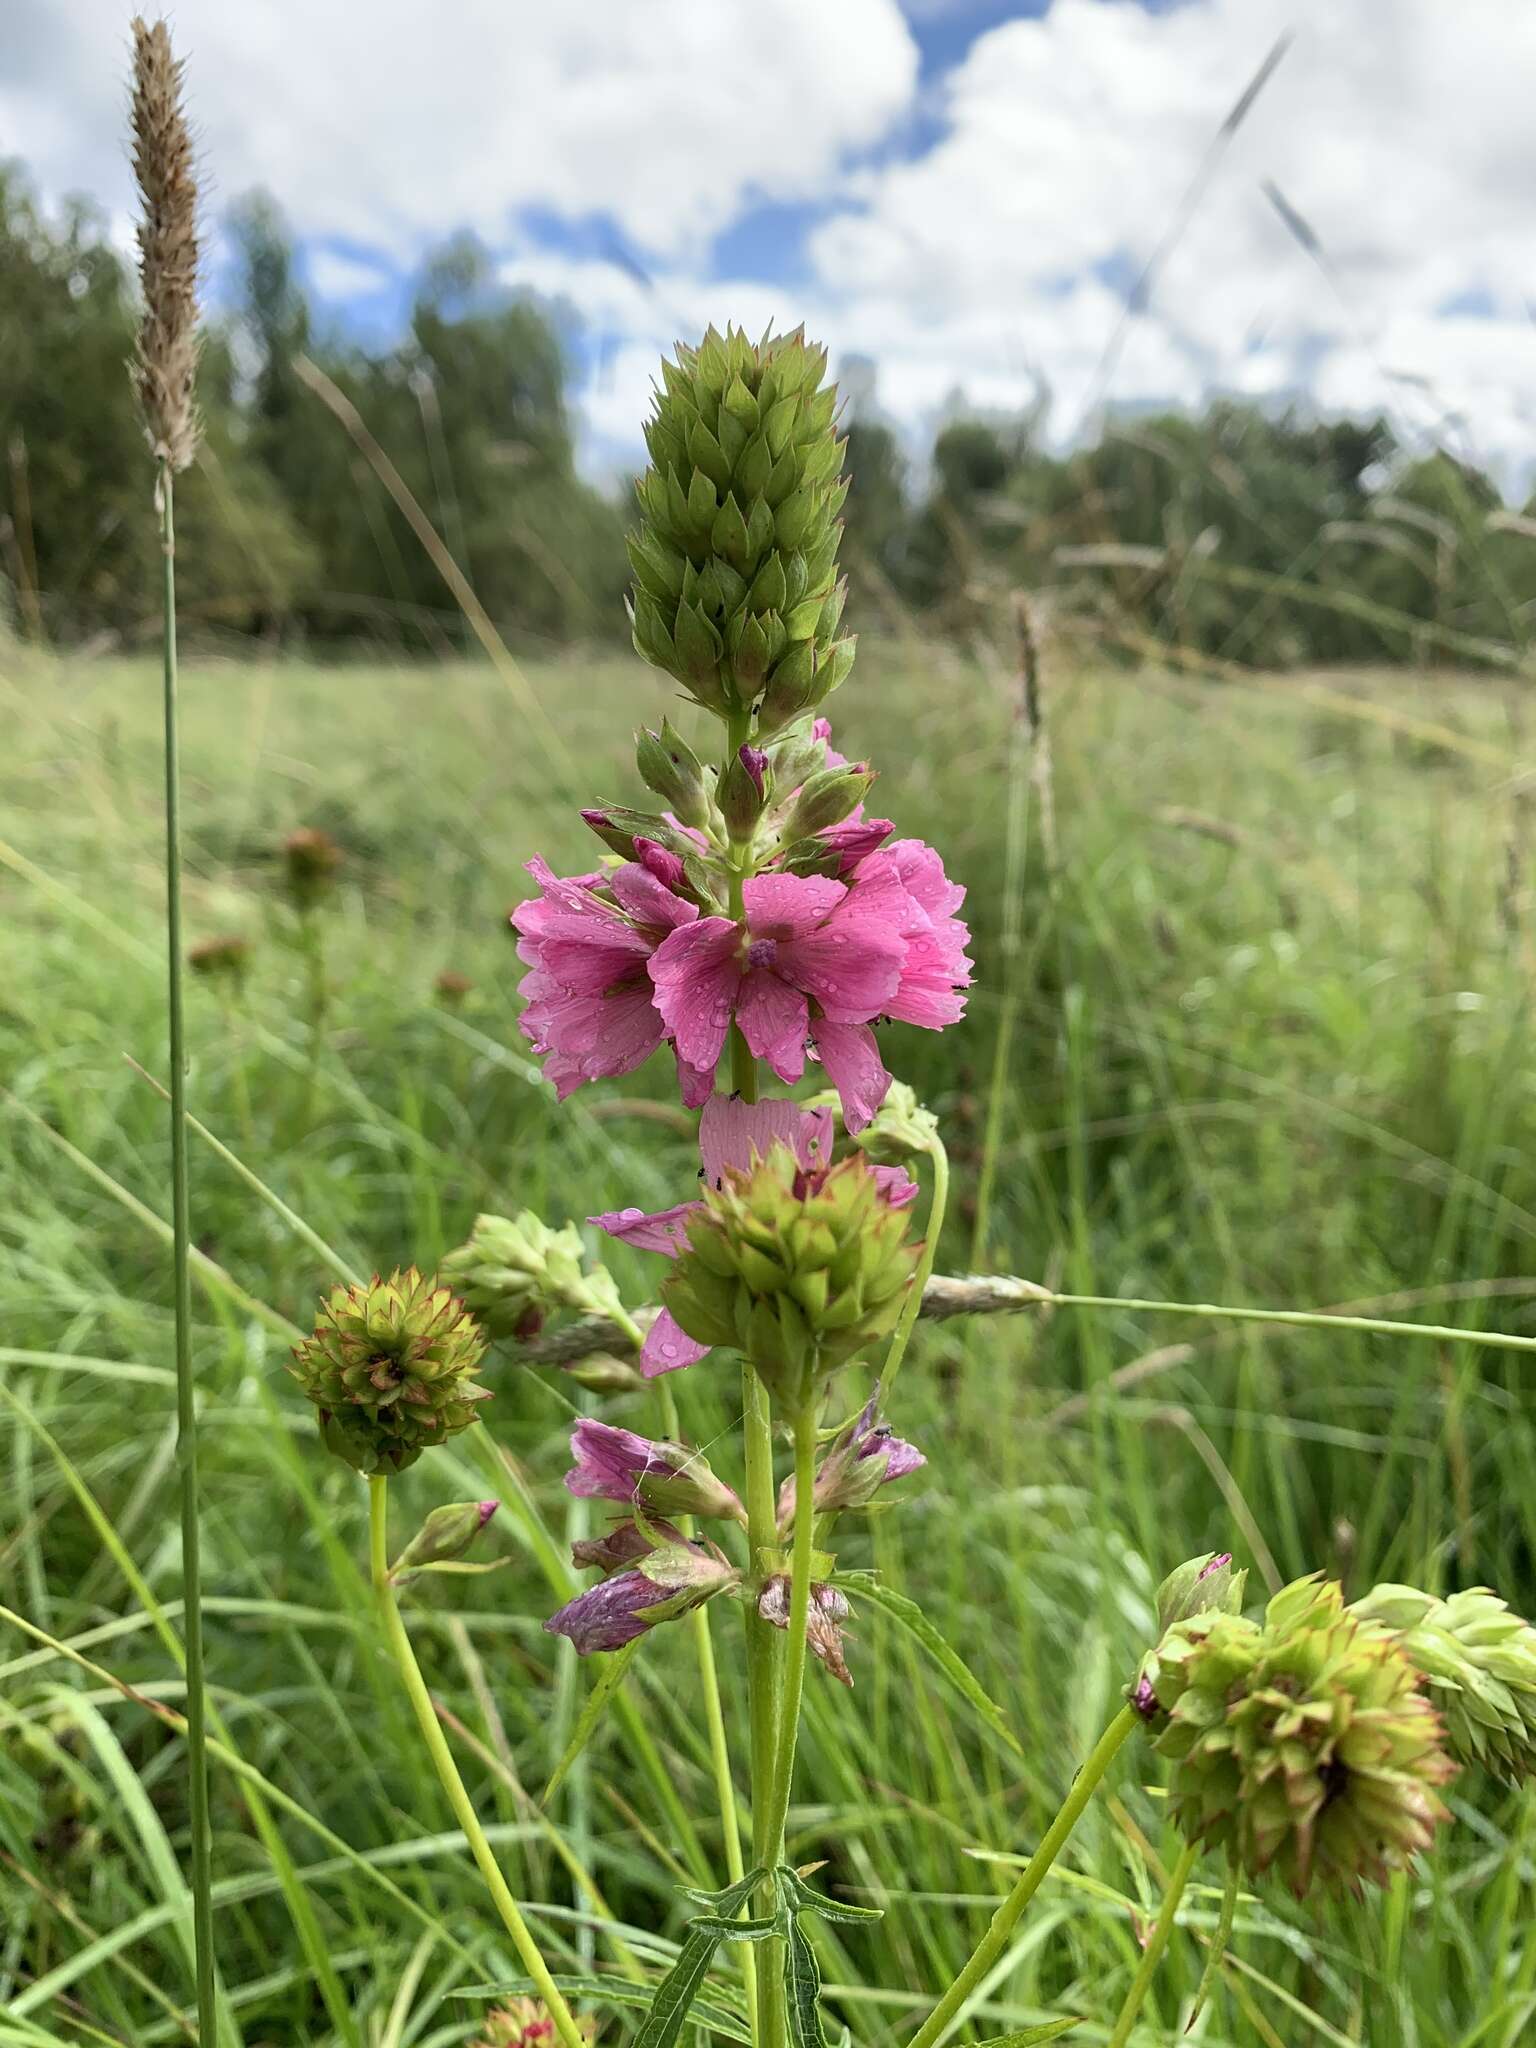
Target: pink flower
{"points": [[908, 884], [669, 1578], [588, 940], [803, 939], [864, 1456], [732, 1133]]}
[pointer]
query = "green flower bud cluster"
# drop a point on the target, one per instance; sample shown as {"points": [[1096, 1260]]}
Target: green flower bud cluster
{"points": [[1478, 1661], [391, 1368], [1301, 1744], [797, 1270], [735, 560], [513, 1270]]}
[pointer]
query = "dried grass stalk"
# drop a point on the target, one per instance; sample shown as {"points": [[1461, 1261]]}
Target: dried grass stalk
{"points": [[164, 370]]}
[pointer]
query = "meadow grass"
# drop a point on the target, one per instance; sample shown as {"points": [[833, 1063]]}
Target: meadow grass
{"points": [[1266, 1008]]}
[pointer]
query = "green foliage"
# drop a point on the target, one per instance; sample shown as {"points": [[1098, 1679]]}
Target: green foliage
{"points": [[282, 527], [1291, 1064]]}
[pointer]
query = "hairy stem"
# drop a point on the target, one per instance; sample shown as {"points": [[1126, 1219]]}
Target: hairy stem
{"points": [[1004, 1920], [181, 1261], [1152, 1955], [447, 1770]]}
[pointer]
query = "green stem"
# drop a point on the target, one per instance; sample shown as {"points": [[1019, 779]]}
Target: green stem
{"points": [[719, 1747], [799, 1617], [1293, 1318], [181, 1262], [764, 1681], [1152, 1955], [912, 1308], [448, 1771], [1004, 1920]]}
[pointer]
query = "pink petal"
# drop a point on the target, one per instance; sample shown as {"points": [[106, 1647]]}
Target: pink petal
{"points": [[856, 837], [773, 1018], [696, 973], [933, 976], [783, 906], [648, 900], [668, 1347], [897, 1189], [664, 865], [694, 1083], [854, 1067], [589, 964], [664, 1230], [923, 877], [733, 1133], [851, 964]]}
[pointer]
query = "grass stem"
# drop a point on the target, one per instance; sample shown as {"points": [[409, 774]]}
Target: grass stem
{"points": [[447, 1770], [1152, 1955], [1006, 1918], [181, 1266]]}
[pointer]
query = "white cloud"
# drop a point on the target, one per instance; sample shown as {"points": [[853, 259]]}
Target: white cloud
{"points": [[392, 123], [337, 275], [1400, 129]]}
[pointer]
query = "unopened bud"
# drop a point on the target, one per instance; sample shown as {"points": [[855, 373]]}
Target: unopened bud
{"points": [[1200, 1584], [827, 799], [742, 792], [445, 1535], [669, 766]]}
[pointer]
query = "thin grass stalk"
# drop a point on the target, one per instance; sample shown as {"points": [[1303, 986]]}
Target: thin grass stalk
{"points": [[181, 1267], [404, 1657], [1006, 1918], [1152, 1955]]}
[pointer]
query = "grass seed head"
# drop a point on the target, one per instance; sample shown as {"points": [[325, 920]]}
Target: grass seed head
{"points": [[164, 369]]}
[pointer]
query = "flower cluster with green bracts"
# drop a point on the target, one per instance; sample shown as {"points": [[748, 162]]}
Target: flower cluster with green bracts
{"points": [[1302, 1744], [514, 1269], [1478, 1661], [736, 558], [796, 1268], [391, 1367]]}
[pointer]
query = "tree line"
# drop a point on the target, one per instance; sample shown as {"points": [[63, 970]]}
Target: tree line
{"points": [[1241, 534]]}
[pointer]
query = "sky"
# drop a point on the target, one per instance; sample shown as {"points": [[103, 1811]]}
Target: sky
{"points": [[964, 191]]}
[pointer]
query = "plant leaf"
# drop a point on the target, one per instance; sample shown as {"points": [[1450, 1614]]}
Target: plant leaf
{"points": [[587, 1720], [804, 1898], [731, 1900], [949, 1661], [677, 1990], [724, 1929], [802, 1986], [1027, 2037]]}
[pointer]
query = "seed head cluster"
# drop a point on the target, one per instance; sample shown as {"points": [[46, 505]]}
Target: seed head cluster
{"points": [[164, 369]]}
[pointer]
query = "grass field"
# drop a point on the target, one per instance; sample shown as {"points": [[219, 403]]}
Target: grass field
{"points": [[1264, 994]]}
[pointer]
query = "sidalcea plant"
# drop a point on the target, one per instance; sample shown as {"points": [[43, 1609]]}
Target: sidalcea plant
{"points": [[759, 924]]}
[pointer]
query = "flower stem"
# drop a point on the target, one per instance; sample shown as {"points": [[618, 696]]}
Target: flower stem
{"points": [[1152, 1955], [448, 1771], [764, 1681], [1004, 1920], [181, 1262], [799, 1616], [912, 1308], [719, 1747]]}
